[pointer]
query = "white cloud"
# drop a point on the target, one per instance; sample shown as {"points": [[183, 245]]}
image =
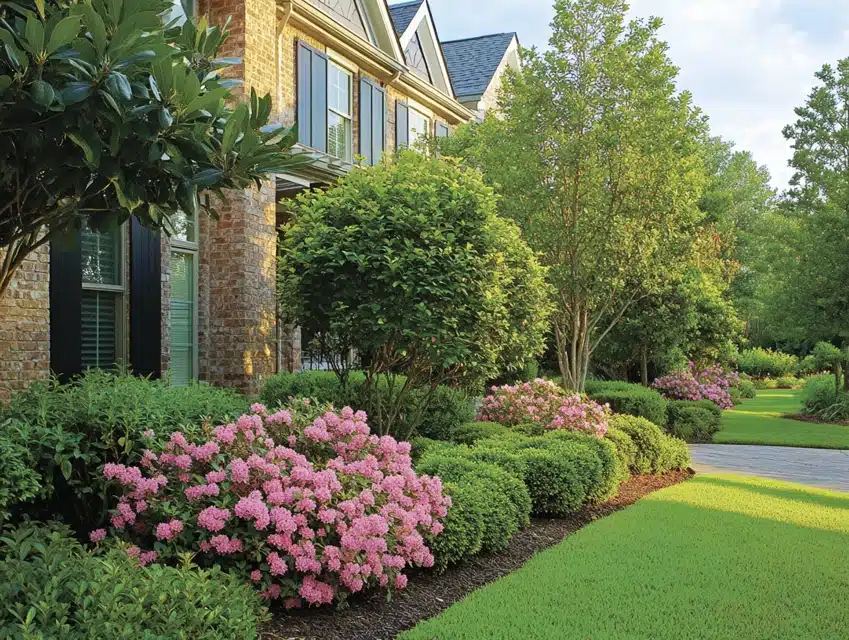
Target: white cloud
{"points": [[748, 63]]}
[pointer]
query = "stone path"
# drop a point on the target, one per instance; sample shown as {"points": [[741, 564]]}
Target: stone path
{"points": [[824, 468]]}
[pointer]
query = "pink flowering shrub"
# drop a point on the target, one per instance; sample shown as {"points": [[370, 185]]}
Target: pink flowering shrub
{"points": [[309, 511], [711, 383], [543, 402]]}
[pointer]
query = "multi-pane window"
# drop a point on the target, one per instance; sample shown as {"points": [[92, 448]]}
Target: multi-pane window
{"points": [[183, 304], [419, 126], [102, 317], [339, 113]]}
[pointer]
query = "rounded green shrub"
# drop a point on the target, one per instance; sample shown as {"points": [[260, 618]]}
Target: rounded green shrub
{"points": [[53, 588], [447, 410], [694, 421], [613, 472], [745, 388], [561, 479], [656, 451], [422, 446], [626, 450], [789, 382], [507, 498], [529, 429], [763, 363], [471, 432], [628, 398], [464, 526]]}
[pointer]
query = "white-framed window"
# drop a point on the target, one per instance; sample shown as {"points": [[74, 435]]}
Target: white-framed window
{"points": [[103, 301], [419, 126], [339, 113], [183, 364]]}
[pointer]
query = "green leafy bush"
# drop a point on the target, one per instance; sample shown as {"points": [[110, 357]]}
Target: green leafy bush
{"points": [[693, 421], [789, 382], [52, 587], [447, 410], [471, 432], [821, 400], [613, 472], [100, 417], [19, 480], [744, 387], [632, 399], [626, 450], [656, 451], [508, 504], [529, 429], [323, 386], [464, 526], [766, 363], [765, 383]]}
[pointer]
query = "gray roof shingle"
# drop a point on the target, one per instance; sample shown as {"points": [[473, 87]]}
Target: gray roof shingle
{"points": [[403, 14], [473, 61]]}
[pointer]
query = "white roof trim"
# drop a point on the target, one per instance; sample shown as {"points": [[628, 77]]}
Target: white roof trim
{"points": [[423, 24], [383, 29]]}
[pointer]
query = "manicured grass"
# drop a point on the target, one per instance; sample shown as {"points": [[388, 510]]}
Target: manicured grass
{"points": [[759, 421], [719, 556]]}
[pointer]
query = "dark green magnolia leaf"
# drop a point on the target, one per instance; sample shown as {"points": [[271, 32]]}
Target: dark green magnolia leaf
{"points": [[187, 196], [42, 93], [108, 99], [76, 92], [66, 468], [154, 88], [206, 101], [207, 177], [119, 86], [165, 118], [229, 62], [5, 82], [16, 56], [233, 128], [90, 146], [63, 33], [140, 56], [96, 27], [34, 35]]}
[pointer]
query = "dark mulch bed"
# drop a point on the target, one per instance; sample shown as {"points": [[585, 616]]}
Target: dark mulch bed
{"points": [[373, 618], [801, 417]]}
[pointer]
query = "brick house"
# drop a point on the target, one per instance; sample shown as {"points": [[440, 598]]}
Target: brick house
{"points": [[360, 78]]}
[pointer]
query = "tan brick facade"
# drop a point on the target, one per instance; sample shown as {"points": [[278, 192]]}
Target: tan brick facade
{"points": [[25, 325]]}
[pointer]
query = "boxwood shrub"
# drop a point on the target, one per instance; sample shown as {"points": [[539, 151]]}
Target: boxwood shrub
{"points": [[693, 421], [656, 451], [613, 471], [626, 450], [52, 587], [464, 525], [471, 432], [631, 399]]}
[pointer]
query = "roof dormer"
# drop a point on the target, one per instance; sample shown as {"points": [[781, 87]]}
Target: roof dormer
{"points": [[419, 39]]}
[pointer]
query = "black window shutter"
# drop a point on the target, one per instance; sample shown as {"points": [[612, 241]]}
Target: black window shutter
{"points": [[319, 101], [145, 300], [402, 125], [66, 286], [304, 95], [366, 141], [378, 123], [441, 130]]}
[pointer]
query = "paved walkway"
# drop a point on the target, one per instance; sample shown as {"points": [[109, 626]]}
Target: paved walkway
{"points": [[824, 468]]}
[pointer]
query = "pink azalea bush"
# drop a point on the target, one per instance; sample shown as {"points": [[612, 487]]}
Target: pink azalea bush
{"points": [[711, 383], [310, 511], [543, 402]]}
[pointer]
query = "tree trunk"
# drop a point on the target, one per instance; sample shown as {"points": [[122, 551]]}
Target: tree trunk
{"points": [[838, 373], [644, 366]]}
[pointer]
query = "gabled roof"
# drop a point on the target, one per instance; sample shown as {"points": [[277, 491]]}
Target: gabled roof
{"points": [[403, 14], [472, 62]]}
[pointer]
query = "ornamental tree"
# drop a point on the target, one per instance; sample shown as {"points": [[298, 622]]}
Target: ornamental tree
{"points": [[598, 159], [106, 109], [407, 265]]}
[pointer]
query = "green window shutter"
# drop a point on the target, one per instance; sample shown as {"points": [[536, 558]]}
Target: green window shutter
{"points": [[98, 334], [183, 337]]}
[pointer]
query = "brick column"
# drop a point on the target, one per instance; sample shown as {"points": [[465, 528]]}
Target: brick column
{"points": [[25, 325], [238, 252]]}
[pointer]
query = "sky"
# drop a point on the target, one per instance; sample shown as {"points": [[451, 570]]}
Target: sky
{"points": [[748, 63]]}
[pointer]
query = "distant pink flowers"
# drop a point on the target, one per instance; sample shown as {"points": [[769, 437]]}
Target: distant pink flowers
{"points": [[97, 535], [711, 384], [543, 402], [313, 505]]}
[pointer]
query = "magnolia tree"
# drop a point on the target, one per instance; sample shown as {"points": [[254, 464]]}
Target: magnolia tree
{"points": [[105, 109], [598, 159], [407, 265]]}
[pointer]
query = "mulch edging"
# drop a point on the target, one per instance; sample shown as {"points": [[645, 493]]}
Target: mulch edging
{"points": [[371, 617], [803, 417]]}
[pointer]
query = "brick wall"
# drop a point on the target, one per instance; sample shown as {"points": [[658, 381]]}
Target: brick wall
{"points": [[25, 325]]}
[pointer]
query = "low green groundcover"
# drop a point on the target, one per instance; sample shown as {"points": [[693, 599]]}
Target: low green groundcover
{"points": [[719, 556], [759, 421]]}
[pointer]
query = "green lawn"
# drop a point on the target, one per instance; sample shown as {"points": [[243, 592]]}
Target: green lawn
{"points": [[759, 421], [719, 556]]}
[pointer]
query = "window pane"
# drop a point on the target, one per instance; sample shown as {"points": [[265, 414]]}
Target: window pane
{"points": [[98, 328], [339, 136], [184, 227], [419, 126], [339, 90], [101, 253], [182, 318]]}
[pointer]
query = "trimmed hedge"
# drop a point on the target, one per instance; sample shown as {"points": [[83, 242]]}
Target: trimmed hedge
{"points": [[613, 471], [694, 421], [656, 451], [52, 587], [471, 432], [631, 399], [464, 525], [626, 450]]}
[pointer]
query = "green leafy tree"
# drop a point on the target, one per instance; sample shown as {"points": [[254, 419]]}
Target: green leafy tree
{"points": [[597, 158], [104, 109], [408, 265]]}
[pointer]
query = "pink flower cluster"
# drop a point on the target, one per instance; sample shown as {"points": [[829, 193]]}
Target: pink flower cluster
{"points": [[545, 403], [334, 509], [711, 383]]}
